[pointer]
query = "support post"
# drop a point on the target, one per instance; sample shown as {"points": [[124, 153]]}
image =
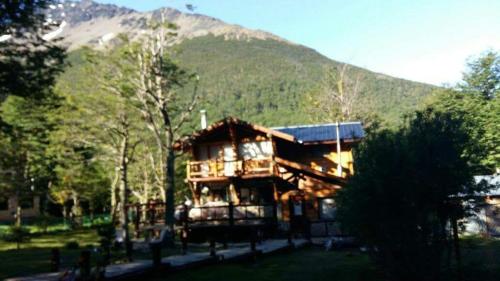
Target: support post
{"points": [[339, 150], [55, 260], [253, 239], [137, 220], [84, 264], [156, 252], [212, 247]]}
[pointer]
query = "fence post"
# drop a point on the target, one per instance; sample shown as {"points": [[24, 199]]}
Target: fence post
{"points": [[156, 252], [231, 214], [253, 240], [137, 220], [212, 247], [55, 260], [84, 264], [289, 236], [185, 229]]}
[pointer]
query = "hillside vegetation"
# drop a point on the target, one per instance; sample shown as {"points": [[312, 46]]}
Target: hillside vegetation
{"points": [[268, 81]]}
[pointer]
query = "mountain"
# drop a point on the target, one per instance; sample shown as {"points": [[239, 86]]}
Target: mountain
{"points": [[251, 74]]}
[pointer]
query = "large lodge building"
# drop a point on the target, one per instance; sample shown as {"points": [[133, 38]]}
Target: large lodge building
{"points": [[244, 175]]}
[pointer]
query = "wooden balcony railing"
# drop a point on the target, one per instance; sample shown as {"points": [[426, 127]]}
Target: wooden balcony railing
{"points": [[233, 214], [222, 168]]}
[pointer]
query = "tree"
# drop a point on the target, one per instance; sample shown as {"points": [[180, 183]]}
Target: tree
{"points": [[476, 101], [483, 75], [158, 82], [338, 95], [28, 62], [405, 192]]}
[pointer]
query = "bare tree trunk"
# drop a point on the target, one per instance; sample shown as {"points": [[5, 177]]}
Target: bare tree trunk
{"points": [[114, 197], [169, 170], [456, 244], [170, 188], [124, 191]]}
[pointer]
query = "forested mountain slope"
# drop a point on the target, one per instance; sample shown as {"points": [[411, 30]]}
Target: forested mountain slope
{"points": [[246, 73]]}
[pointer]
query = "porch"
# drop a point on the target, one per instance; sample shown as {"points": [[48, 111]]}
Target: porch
{"points": [[228, 168]]}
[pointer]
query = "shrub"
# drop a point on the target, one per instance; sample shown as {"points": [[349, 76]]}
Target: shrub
{"points": [[18, 235], [43, 222], [72, 245]]}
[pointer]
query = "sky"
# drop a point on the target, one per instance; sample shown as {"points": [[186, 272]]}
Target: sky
{"points": [[427, 41]]}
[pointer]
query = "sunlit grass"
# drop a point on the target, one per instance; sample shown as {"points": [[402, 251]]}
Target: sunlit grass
{"points": [[34, 256]]}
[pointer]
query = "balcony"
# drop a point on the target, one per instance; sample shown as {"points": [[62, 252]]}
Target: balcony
{"points": [[224, 168]]}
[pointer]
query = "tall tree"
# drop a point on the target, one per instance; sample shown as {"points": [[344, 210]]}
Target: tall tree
{"points": [[165, 111], [406, 190], [483, 75], [339, 94], [28, 62], [476, 100]]}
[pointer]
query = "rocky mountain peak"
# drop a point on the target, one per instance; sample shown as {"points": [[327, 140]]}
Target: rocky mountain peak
{"points": [[89, 23]]}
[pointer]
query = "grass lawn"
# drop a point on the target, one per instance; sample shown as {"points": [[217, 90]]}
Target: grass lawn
{"points": [[34, 256], [311, 264], [481, 259]]}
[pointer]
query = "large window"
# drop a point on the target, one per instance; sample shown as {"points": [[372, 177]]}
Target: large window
{"points": [[255, 150], [4, 203], [327, 208]]}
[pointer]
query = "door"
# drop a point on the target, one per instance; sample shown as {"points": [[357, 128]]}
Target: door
{"points": [[229, 163], [297, 213]]}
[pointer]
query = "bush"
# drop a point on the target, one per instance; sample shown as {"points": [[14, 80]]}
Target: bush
{"points": [[18, 235], [72, 245], [405, 193], [43, 222], [107, 233]]}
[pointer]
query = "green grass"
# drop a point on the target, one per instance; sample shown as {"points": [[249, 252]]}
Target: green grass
{"points": [[481, 259], [312, 264], [34, 256]]}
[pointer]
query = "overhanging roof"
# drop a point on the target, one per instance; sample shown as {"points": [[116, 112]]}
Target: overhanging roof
{"points": [[188, 140]]}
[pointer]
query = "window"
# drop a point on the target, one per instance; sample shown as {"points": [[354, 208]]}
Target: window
{"points": [[255, 196], [255, 150], [327, 208], [4, 203], [26, 203], [214, 194]]}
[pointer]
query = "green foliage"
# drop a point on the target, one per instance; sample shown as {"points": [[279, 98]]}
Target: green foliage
{"points": [[476, 101], [107, 234], [17, 234], [399, 200], [28, 63], [483, 75], [72, 244], [267, 82], [29, 66]]}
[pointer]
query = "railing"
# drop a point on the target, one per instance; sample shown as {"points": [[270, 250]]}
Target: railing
{"points": [[148, 215], [232, 214], [224, 168]]}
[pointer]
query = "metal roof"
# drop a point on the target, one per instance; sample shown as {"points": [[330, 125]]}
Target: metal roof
{"points": [[324, 132], [493, 181]]}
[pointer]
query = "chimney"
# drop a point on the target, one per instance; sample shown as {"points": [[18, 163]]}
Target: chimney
{"points": [[203, 113]]}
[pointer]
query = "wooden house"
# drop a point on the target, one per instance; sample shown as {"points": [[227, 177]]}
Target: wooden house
{"points": [[241, 174]]}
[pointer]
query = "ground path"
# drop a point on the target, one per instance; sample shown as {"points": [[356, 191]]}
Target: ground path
{"points": [[179, 262]]}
